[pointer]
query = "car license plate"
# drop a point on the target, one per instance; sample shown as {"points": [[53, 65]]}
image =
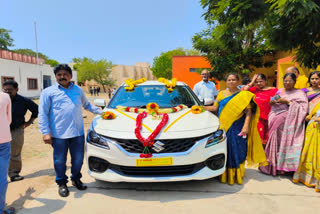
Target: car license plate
{"points": [[154, 161]]}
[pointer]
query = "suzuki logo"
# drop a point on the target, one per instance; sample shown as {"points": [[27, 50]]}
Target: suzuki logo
{"points": [[158, 146]]}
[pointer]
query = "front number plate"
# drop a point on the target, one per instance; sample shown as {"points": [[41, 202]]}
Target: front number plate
{"points": [[154, 161]]}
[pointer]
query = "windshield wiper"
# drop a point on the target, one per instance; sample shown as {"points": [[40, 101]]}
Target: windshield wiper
{"points": [[142, 106], [190, 105]]}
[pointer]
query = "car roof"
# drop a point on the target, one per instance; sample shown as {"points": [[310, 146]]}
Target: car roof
{"points": [[154, 82]]}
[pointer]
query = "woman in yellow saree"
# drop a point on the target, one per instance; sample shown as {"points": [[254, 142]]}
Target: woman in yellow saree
{"points": [[238, 115], [308, 171]]}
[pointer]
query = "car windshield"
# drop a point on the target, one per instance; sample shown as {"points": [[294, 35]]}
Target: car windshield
{"points": [[142, 95]]}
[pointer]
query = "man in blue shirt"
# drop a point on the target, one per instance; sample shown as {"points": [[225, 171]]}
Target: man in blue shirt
{"points": [[205, 88], [61, 124]]}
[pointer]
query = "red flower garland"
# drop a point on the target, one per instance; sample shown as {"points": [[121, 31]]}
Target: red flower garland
{"points": [[147, 143]]}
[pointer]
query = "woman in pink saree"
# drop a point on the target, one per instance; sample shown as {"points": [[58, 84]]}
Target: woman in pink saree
{"points": [[286, 128]]}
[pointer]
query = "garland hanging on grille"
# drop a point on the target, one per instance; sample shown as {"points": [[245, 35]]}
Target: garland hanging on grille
{"points": [[148, 143]]}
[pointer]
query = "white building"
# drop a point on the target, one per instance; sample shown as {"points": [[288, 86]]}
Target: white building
{"points": [[32, 78]]}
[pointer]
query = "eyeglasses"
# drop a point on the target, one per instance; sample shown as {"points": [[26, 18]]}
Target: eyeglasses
{"points": [[204, 74], [6, 89]]}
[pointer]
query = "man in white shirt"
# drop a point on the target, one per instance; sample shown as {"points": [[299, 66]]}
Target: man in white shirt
{"points": [[205, 88]]}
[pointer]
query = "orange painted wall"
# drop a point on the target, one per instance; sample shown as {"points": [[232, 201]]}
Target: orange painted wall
{"points": [[181, 68]]}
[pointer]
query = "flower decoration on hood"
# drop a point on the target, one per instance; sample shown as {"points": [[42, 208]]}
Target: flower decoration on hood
{"points": [[148, 142], [159, 110], [197, 109], [152, 108], [108, 115]]}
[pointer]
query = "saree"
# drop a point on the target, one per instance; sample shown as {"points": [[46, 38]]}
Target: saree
{"points": [[308, 171], [262, 99], [313, 98], [286, 133], [239, 149]]}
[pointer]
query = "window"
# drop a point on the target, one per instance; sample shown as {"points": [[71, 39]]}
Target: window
{"points": [[5, 79], [32, 84]]}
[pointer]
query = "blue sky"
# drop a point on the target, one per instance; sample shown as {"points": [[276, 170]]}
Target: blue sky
{"points": [[123, 31]]}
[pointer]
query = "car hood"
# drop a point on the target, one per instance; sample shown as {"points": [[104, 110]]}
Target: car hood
{"points": [[182, 124]]}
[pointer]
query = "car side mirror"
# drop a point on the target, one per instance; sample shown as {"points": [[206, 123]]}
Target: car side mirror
{"points": [[100, 102], [207, 101]]}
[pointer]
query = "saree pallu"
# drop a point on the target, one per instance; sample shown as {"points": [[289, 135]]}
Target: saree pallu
{"points": [[313, 98], [286, 133], [262, 99], [308, 172], [239, 149]]}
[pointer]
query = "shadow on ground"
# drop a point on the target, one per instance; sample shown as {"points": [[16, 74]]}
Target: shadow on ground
{"points": [[170, 191], [47, 204], [43, 172]]}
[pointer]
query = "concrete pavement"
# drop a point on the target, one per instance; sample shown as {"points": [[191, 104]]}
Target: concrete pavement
{"points": [[258, 194]]}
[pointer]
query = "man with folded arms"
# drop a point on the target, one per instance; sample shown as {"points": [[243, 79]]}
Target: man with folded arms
{"points": [[61, 124], [20, 106]]}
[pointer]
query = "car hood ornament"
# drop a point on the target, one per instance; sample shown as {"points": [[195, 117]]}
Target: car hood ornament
{"points": [[158, 146]]}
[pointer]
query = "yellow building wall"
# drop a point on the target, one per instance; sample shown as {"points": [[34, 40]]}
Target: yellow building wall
{"points": [[269, 72], [286, 62]]}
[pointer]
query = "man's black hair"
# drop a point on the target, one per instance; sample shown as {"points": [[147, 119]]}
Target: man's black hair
{"points": [[11, 82], [62, 67]]}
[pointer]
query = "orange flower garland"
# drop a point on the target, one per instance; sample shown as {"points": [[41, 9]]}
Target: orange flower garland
{"points": [[152, 108], [158, 110], [197, 109], [108, 115]]}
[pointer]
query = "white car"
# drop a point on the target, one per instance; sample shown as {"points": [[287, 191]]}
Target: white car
{"points": [[190, 146]]}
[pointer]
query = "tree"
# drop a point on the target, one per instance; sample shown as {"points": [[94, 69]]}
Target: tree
{"points": [[52, 62], [295, 25], [5, 39], [162, 65], [30, 52], [241, 32], [233, 41], [99, 71]]}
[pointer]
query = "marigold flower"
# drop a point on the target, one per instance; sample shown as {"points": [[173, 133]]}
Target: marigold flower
{"points": [[108, 115], [152, 107], [196, 109]]}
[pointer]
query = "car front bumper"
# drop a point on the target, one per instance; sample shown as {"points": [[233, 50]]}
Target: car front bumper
{"points": [[117, 157]]}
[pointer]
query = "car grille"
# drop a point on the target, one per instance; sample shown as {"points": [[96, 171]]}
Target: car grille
{"points": [[170, 146], [158, 170]]}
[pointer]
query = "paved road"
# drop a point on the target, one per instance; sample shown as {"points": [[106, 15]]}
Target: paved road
{"points": [[258, 194]]}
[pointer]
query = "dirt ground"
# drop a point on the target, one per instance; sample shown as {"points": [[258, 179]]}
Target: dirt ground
{"points": [[37, 165]]}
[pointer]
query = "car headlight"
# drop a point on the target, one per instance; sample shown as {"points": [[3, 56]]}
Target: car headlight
{"points": [[216, 137], [97, 140]]}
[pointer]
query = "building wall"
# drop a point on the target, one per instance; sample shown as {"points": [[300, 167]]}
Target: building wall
{"points": [[21, 71], [122, 72], [181, 68], [286, 62]]}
